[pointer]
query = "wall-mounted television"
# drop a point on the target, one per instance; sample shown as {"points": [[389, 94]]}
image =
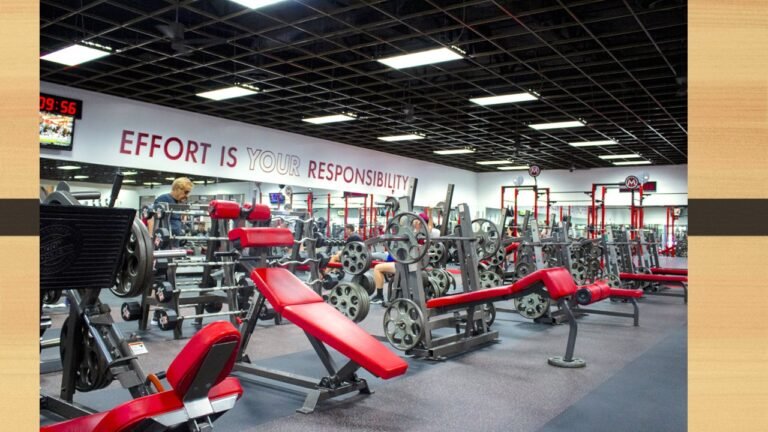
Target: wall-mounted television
{"points": [[56, 131], [276, 198], [57, 121]]}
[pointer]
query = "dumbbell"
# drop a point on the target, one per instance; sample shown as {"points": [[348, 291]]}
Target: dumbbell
{"points": [[167, 319], [130, 311]]}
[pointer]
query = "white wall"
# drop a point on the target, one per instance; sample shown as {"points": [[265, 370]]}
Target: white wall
{"points": [[111, 129]]}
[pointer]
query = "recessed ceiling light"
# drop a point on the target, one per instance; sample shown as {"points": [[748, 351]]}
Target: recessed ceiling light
{"points": [[152, 183], [437, 55], [557, 125], [643, 162], [228, 93], [330, 118], [68, 167], [199, 181], [502, 99], [255, 4], [75, 54], [170, 178], [453, 151], [593, 143], [619, 156], [81, 177], [513, 167], [402, 137], [129, 173], [129, 181], [493, 162]]}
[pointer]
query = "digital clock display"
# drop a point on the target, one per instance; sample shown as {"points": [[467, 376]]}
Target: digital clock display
{"points": [[61, 105]]}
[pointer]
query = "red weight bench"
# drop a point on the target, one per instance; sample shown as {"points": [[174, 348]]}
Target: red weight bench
{"points": [[322, 324], [675, 280], [202, 390], [600, 290], [669, 271]]}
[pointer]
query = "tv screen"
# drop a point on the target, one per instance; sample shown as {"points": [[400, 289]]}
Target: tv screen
{"points": [[276, 198], [56, 130]]}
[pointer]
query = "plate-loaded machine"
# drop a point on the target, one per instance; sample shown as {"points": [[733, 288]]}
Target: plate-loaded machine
{"points": [[80, 251], [620, 266], [296, 302]]}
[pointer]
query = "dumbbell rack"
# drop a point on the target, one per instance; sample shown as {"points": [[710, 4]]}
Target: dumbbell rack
{"points": [[166, 294]]}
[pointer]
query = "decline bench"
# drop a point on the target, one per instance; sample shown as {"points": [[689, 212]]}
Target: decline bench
{"points": [[201, 391], [322, 324]]}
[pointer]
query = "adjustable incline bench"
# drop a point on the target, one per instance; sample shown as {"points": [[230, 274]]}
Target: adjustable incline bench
{"points": [[321, 322], [201, 391]]}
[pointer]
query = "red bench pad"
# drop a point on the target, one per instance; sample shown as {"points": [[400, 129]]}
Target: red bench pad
{"points": [[374, 263], [220, 209], [470, 297], [324, 322], [127, 416], [511, 248], [653, 277], [557, 281], [182, 371], [282, 288], [600, 290], [262, 237], [669, 271]]}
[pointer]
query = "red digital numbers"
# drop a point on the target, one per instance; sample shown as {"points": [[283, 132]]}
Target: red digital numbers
{"points": [[68, 107], [60, 105]]}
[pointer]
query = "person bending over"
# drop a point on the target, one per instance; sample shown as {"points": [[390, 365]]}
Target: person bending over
{"points": [[388, 268], [179, 194]]}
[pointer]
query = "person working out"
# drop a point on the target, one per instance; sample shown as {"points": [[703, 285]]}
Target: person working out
{"points": [[388, 268], [179, 194], [349, 232]]}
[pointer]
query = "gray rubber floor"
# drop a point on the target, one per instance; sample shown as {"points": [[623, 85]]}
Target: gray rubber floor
{"points": [[634, 379]]}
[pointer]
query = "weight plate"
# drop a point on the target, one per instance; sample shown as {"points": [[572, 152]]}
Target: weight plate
{"points": [[135, 273], [489, 279], [488, 238], [403, 324], [524, 269], [51, 296], [393, 204], [532, 306], [355, 258], [366, 281], [413, 238], [442, 279], [489, 314], [350, 299], [436, 253]]}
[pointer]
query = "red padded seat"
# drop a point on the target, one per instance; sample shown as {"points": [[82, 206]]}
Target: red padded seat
{"points": [[222, 209], [470, 297], [324, 322], [282, 288], [669, 271], [653, 277], [600, 290], [259, 213], [180, 374], [262, 237]]}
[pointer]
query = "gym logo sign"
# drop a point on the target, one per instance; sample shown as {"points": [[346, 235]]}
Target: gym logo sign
{"points": [[534, 170], [632, 182]]}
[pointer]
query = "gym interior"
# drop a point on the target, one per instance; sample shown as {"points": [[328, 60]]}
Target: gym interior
{"points": [[363, 215]]}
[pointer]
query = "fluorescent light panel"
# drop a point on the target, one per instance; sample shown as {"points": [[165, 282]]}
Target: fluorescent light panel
{"points": [[170, 178], [493, 162], [330, 119], [453, 151], [502, 99], [129, 173], [643, 162], [557, 125], [199, 181], [226, 93], [68, 167], [432, 56], [129, 181], [513, 168], [619, 156], [255, 4], [401, 137], [593, 143], [75, 54], [81, 177]]}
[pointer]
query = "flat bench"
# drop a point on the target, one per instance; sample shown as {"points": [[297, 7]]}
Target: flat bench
{"points": [[679, 281], [669, 271]]}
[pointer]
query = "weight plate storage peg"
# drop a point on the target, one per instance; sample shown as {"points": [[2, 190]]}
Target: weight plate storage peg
{"points": [[532, 306], [406, 242], [355, 258], [166, 319], [351, 300], [404, 324], [130, 311]]}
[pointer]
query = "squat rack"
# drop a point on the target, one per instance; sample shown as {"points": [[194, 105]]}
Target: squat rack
{"points": [[536, 192]]}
